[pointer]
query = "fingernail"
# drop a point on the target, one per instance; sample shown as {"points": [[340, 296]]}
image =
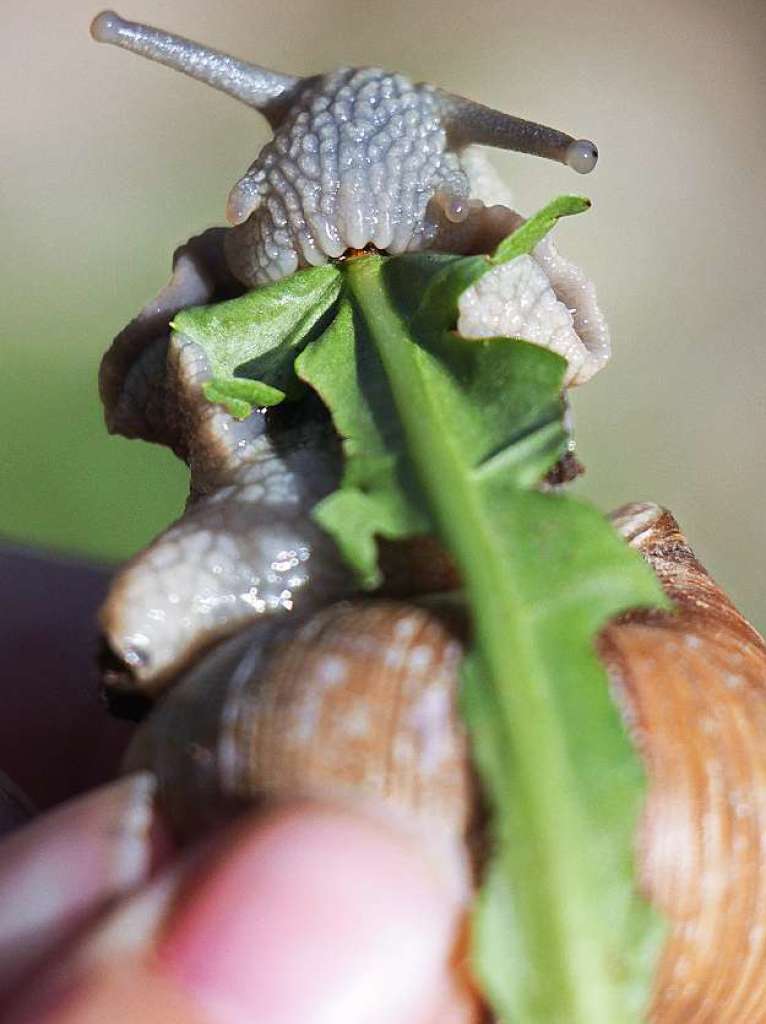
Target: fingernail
{"points": [[316, 915]]}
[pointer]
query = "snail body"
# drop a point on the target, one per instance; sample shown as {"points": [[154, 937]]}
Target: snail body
{"points": [[390, 167]]}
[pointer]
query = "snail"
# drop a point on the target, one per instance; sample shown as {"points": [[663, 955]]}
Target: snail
{"points": [[359, 158], [358, 704], [285, 681]]}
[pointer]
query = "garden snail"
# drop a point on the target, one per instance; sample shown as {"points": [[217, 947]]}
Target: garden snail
{"points": [[355, 700], [225, 563]]}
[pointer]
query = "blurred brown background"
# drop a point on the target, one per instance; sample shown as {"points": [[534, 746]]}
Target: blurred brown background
{"points": [[108, 162]]}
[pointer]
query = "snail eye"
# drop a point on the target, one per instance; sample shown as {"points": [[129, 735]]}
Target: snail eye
{"points": [[456, 209], [582, 156]]}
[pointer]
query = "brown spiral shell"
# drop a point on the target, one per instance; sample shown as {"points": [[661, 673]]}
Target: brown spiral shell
{"points": [[357, 703], [695, 684]]}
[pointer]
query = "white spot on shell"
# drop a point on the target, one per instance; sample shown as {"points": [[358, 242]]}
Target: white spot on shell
{"points": [[307, 717], [401, 750], [420, 658], [395, 656], [356, 724], [430, 719], [405, 627], [333, 670], [740, 804]]}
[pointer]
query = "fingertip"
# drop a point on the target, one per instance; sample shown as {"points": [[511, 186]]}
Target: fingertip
{"points": [[308, 913], [317, 914]]}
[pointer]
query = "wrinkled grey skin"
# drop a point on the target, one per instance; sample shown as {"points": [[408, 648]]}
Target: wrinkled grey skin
{"points": [[356, 161], [245, 547]]}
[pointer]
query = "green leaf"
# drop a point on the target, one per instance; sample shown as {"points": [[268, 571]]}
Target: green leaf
{"points": [[498, 418], [240, 396], [524, 239], [251, 342], [564, 935], [566, 892], [374, 500]]}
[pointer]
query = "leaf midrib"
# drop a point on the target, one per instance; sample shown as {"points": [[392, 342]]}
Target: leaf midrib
{"points": [[505, 634]]}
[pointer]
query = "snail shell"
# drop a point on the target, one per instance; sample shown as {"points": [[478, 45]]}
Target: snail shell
{"points": [[359, 704], [693, 685], [356, 702]]}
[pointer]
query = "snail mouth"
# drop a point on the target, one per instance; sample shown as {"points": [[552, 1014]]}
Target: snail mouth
{"points": [[118, 686], [368, 250]]}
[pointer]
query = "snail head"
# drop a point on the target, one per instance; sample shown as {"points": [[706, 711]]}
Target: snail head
{"points": [[357, 158]]}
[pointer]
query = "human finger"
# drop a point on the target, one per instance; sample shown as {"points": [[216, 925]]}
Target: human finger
{"points": [[309, 913], [58, 873]]}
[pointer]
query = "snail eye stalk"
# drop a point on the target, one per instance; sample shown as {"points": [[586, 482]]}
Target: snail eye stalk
{"points": [[258, 87], [467, 122]]}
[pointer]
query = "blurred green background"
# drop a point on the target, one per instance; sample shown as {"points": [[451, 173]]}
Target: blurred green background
{"points": [[108, 162]]}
